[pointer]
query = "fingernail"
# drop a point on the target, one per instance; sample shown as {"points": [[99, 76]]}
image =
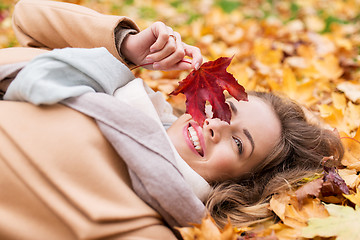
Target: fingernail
{"points": [[156, 65], [148, 59]]}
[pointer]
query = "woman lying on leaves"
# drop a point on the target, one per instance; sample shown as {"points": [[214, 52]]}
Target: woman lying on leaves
{"points": [[101, 165]]}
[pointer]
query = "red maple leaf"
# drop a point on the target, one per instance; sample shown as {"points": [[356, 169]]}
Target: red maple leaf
{"points": [[208, 84]]}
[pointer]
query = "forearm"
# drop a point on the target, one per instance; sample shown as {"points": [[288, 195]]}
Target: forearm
{"points": [[49, 24]]}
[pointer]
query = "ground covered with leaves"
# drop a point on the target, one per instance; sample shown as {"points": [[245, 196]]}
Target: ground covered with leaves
{"points": [[308, 50]]}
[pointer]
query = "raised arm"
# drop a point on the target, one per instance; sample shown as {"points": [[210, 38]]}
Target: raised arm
{"points": [[50, 24]]}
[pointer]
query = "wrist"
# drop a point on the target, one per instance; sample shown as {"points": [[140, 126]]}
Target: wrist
{"points": [[121, 36]]}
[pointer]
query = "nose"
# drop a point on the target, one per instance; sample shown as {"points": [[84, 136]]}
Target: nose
{"points": [[215, 128]]}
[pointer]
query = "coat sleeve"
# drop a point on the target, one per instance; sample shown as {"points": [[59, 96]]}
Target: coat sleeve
{"points": [[50, 24], [12, 60]]}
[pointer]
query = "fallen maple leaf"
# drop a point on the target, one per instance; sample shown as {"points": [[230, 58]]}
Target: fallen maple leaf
{"points": [[293, 216], [351, 90], [352, 150], [342, 223], [354, 198], [350, 177], [285, 205], [333, 183], [208, 84], [208, 230], [312, 188]]}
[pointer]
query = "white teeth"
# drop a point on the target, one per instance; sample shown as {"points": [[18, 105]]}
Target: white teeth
{"points": [[194, 138]]}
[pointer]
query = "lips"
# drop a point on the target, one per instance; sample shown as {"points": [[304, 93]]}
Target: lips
{"points": [[194, 138]]}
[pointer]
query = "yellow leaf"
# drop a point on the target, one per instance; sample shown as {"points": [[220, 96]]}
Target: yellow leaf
{"points": [[343, 224], [354, 198], [284, 232], [243, 74], [352, 116], [289, 82], [208, 230], [302, 92], [351, 157], [339, 100], [294, 215], [278, 204], [297, 217], [332, 116], [328, 66], [350, 177], [264, 52], [343, 43], [314, 23], [351, 90]]}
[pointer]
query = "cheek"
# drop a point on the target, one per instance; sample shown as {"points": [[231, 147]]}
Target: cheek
{"points": [[225, 165]]}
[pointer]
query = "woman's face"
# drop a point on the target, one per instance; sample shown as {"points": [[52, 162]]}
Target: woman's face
{"points": [[218, 150]]}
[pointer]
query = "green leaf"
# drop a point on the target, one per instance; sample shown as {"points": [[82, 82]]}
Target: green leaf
{"points": [[147, 12], [129, 2], [343, 223], [228, 6], [294, 9], [330, 20]]}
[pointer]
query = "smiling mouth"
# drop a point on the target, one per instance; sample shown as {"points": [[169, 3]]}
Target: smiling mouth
{"points": [[194, 138]]}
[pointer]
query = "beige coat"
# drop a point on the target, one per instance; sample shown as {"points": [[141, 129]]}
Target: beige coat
{"points": [[59, 177]]}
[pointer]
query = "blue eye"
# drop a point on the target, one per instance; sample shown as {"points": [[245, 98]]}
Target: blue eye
{"points": [[239, 144]]}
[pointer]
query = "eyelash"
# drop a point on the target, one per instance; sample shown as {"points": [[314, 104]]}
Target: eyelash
{"points": [[239, 144]]}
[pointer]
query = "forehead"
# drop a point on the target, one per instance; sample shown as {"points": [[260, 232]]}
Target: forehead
{"points": [[254, 105]]}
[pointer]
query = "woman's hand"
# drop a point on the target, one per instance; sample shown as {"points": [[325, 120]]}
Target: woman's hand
{"points": [[161, 48]]}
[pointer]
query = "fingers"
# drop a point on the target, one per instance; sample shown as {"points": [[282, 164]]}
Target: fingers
{"points": [[195, 54], [168, 50], [176, 61], [162, 34], [172, 53]]}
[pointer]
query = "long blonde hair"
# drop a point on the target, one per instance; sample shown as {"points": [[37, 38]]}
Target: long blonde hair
{"points": [[298, 154]]}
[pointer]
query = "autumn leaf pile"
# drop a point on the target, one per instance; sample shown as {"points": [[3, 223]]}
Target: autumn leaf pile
{"points": [[308, 50]]}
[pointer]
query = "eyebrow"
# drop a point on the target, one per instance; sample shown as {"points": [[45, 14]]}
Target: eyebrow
{"points": [[246, 132], [233, 107], [248, 135]]}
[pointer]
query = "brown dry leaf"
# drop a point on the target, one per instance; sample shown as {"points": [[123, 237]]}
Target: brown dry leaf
{"points": [[302, 92], [287, 208], [208, 230], [293, 218], [354, 198], [284, 232], [333, 116], [351, 90], [266, 54], [328, 66], [343, 114], [352, 116], [309, 189], [352, 150], [339, 100], [350, 177]]}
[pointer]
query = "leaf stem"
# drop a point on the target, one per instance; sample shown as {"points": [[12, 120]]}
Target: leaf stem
{"points": [[147, 64]]}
